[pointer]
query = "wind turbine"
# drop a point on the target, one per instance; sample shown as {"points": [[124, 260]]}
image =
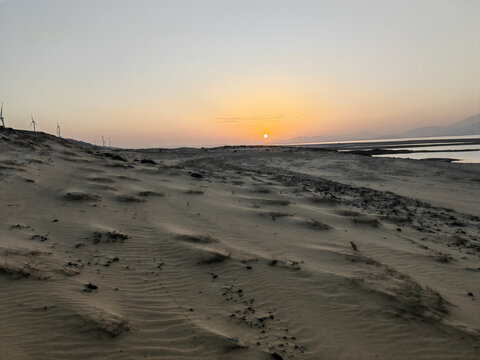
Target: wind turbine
{"points": [[58, 130], [103, 141], [1, 116], [109, 142], [34, 124]]}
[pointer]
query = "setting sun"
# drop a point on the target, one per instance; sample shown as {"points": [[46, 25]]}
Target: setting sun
{"points": [[265, 136]]}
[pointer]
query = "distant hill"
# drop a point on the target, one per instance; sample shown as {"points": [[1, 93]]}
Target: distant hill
{"points": [[469, 126], [315, 139], [80, 143]]}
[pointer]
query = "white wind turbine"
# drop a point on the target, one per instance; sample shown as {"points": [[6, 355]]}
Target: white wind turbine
{"points": [[58, 130], [1, 116], [103, 141], [34, 124]]}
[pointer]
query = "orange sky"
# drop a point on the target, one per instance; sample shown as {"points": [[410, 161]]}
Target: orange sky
{"points": [[172, 73]]}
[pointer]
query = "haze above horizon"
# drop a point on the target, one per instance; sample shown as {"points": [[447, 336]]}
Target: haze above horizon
{"points": [[170, 73]]}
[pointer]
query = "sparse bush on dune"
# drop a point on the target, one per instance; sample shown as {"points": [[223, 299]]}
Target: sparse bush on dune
{"points": [[325, 200], [202, 239], [150, 193], [129, 198], [349, 213], [318, 225], [195, 192], [290, 264], [103, 187], [148, 161], [276, 214], [109, 236], [367, 220], [214, 256], [261, 190], [101, 179], [278, 202], [444, 258], [82, 196]]}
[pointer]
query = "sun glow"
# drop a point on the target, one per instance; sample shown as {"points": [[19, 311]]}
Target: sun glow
{"points": [[265, 136]]}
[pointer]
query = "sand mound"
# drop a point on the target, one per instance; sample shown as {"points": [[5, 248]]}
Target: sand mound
{"points": [[19, 263], [106, 322], [405, 295]]}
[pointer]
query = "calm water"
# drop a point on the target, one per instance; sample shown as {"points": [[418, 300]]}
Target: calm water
{"points": [[460, 156], [426, 140], [445, 147]]}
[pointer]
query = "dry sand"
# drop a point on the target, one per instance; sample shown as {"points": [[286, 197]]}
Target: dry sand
{"points": [[234, 253]]}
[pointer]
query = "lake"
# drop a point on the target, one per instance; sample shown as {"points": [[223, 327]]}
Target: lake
{"points": [[462, 149]]}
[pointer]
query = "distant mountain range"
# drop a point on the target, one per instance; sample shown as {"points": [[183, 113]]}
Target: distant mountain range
{"points": [[334, 138], [469, 126]]}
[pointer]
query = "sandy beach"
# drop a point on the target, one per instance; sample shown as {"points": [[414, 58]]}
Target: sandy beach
{"points": [[234, 253]]}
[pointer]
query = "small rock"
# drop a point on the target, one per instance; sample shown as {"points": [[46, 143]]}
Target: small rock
{"points": [[118, 157], [148, 161], [90, 286]]}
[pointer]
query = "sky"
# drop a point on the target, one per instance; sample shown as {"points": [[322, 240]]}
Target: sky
{"points": [[152, 73]]}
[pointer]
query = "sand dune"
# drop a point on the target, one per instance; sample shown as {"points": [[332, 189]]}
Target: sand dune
{"points": [[234, 253]]}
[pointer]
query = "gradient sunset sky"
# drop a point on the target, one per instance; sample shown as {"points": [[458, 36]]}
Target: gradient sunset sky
{"points": [[212, 72]]}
